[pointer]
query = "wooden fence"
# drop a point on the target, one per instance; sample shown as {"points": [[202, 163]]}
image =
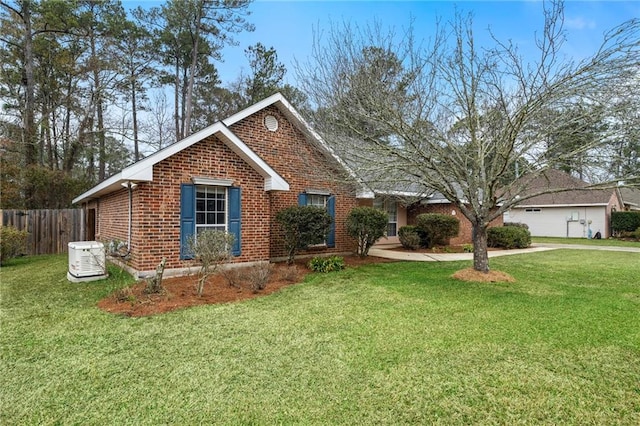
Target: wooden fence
{"points": [[50, 231]]}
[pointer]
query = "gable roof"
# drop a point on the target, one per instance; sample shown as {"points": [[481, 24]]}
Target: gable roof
{"points": [[294, 117], [567, 191], [142, 171], [630, 197]]}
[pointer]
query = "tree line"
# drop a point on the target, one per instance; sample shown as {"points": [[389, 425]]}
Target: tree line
{"points": [[87, 87]]}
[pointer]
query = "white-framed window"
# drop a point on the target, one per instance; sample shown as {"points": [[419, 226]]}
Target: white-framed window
{"points": [[317, 200], [532, 210], [391, 208], [211, 208]]}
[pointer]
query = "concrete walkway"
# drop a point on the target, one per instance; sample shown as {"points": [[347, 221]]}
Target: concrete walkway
{"points": [[388, 252]]}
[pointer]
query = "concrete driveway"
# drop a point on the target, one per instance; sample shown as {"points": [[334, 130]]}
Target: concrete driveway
{"points": [[388, 252]]}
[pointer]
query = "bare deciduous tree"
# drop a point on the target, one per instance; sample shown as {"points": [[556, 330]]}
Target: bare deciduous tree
{"points": [[456, 118]]}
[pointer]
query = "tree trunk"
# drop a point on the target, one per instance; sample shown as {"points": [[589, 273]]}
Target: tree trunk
{"points": [[134, 112], [98, 105], [192, 70], [176, 101], [480, 253]]}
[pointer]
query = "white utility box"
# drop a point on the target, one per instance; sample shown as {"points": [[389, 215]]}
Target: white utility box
{"points": [[87, 261]]}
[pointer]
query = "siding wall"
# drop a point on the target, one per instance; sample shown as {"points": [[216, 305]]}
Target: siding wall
{"points": [[552, 221]]}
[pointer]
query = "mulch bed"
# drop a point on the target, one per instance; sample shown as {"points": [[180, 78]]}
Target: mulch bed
{"points": [[472, 275], [181, 292]]}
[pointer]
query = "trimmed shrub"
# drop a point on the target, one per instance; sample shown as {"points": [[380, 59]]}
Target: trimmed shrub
{"points": [[367, 225], [303, 226], [517, 224], [409, 237], [637, 234], [213, 249], [625, 221], [12, 243], [508, 237], [290, 273], [326, 264], [435, 228], [259, 275]]}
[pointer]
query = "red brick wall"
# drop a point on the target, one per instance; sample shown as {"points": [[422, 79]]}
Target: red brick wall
{"points": [[465, 234], [156, 205], [303, 166], [112, 216]]}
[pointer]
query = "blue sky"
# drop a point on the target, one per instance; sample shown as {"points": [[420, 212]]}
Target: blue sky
{"points": [[289, 26]]}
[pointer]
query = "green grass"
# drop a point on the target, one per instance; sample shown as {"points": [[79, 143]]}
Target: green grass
{"points": [[585, 241], [398, 343]]}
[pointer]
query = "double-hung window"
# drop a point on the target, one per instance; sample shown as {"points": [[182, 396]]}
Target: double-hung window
{"points": [[211, 208], [317, 200], [325, 200], [390, 207], [209, 204]]}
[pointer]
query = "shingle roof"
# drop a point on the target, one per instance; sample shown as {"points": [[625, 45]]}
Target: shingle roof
{"points": [[631, 197], [571, 192]]}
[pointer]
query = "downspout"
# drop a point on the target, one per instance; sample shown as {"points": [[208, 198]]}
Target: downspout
{"points": [[129, 185]]}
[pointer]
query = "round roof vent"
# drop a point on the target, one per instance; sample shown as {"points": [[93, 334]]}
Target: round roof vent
{"points": [[271, 123]]}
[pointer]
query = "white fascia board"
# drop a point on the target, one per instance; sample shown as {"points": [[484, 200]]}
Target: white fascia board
{"points": [[366, 194], [106, 186], [273, 181], [143, 169], [140, 175], [295, 116], [241, 115], [528, 206], [402, 194], [292, 114]]}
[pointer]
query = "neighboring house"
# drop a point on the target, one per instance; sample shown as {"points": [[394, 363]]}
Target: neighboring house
{"points": [[573, 213], [235, 175], [630, 198]]}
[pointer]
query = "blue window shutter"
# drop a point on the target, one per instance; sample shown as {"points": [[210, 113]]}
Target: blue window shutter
{"points": [[331, 209], [187, 218], [302, 199], [235, 219]]}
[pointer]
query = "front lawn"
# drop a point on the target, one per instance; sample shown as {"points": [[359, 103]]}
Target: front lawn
{"points": [[393, 343], [586, 241]]}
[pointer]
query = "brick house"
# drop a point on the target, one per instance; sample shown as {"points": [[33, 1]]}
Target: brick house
{"points": [[234, 175], [403, 207]]}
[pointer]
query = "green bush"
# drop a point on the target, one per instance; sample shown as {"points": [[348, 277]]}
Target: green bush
{"points": [[625, 221], [303, 226], [508, 237], [517, 224], [12, 243], [435, 228], [326, 264], [409, 237], [367, 225]]}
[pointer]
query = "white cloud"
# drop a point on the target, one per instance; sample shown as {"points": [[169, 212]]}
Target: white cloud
{"points": [[579, 23]]}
